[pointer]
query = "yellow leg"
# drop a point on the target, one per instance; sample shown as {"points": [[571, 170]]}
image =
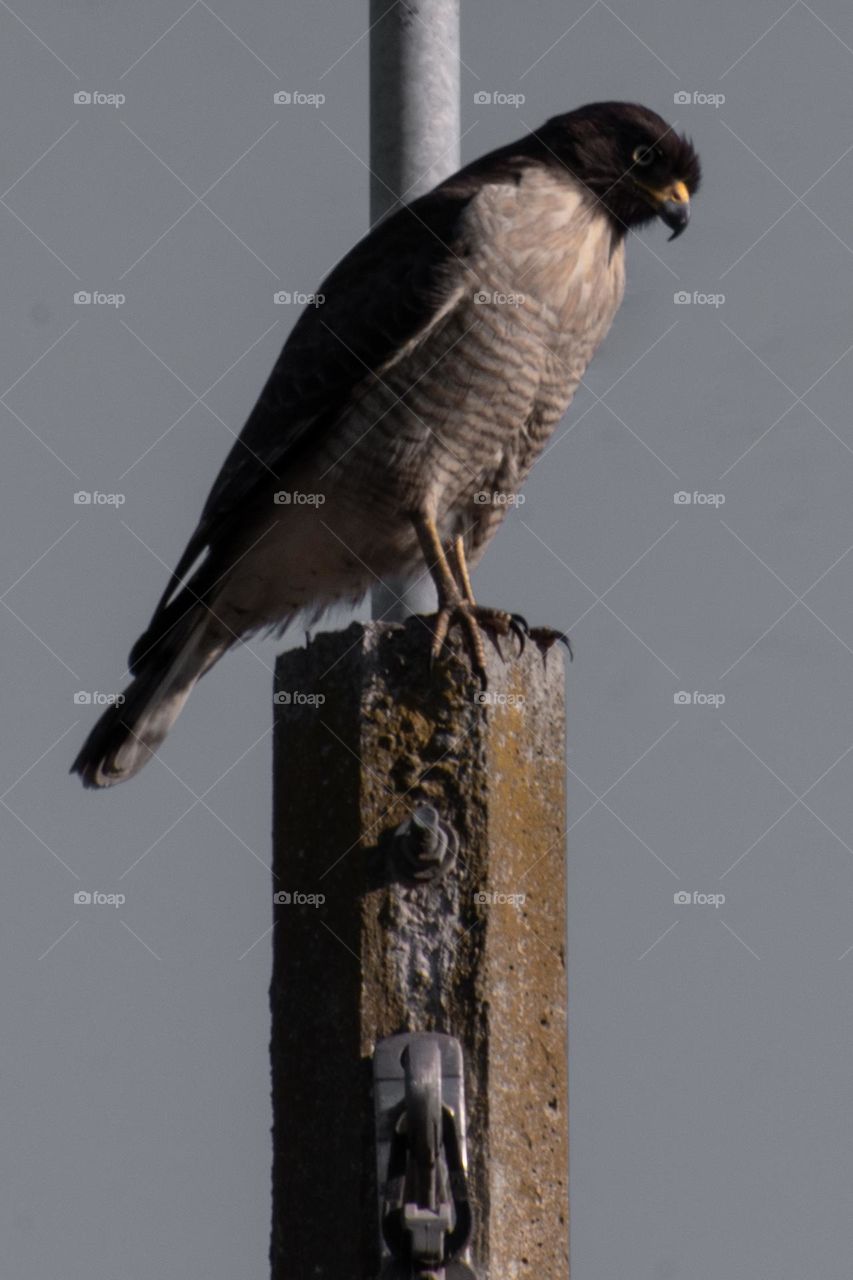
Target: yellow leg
{"points": [[436, 560], [451, 606], [456, 598], [461, 566]]}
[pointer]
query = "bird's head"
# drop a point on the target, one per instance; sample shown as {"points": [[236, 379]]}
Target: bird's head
{"points": [[628, 158]]}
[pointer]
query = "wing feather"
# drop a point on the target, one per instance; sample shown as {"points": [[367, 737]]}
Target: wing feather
{"points": [[379, 301]]}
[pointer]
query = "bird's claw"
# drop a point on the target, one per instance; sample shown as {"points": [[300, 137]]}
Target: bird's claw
{"points": [[462, 614], [546, 637], [520, 629], [474, 619]]}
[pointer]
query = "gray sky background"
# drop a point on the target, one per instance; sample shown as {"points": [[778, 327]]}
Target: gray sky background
{"points": [[710, 1059]]}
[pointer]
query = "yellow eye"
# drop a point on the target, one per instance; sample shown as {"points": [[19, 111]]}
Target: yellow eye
{"points": [[644, 156]]}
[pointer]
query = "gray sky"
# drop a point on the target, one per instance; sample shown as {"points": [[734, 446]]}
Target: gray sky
{"points": [[710, 1045]]}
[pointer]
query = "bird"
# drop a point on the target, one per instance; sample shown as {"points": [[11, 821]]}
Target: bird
{"points": [[408, 405]]}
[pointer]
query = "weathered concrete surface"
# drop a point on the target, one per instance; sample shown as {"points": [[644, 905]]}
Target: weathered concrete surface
{"points": [[379, 957]]}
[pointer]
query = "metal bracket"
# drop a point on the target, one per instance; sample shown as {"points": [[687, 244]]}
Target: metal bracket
{"points": [[424, 1214], [423, 848]]}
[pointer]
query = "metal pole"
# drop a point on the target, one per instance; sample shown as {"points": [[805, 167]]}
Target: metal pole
{"points": [[418, 863], [414, 144]]}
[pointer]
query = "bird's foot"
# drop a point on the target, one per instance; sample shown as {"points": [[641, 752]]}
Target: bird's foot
{"points": [[545, 637], [474, 619]]}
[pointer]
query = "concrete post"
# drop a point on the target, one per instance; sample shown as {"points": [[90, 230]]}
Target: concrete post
{"points": [[364, 733], [414, 144]]}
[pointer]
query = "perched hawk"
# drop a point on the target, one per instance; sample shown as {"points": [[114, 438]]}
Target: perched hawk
{"points": [[449, 343]]}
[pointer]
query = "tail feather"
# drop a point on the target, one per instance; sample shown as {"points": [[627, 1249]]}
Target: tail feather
{"points": [[128, 733]]}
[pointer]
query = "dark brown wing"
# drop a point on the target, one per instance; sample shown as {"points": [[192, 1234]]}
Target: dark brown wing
{"points": [[386, 293]]}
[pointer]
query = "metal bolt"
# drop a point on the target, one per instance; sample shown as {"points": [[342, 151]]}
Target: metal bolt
{"points": [[423, 848]]}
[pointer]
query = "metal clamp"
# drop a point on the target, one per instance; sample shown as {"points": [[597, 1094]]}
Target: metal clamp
{"points": [[423, 847], [424, 1212]]}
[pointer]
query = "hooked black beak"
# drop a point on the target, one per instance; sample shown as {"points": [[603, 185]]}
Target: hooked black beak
{"points": [[671, 204], [676, 215]]}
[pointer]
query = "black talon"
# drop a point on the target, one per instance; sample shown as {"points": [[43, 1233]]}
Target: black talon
{"points": [[545, 637], [520, 629]]}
